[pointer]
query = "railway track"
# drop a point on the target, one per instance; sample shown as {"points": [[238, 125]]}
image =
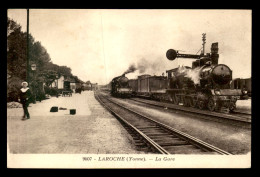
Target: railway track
{"points": [[241, 114], [236, 118], [154, 136]]}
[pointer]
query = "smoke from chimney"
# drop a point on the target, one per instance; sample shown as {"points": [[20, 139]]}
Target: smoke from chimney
{"points": [[147, 66], [157, 66], [131, 69]]}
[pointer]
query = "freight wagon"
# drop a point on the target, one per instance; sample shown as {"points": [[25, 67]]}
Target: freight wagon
{"points": [[149, 86]]}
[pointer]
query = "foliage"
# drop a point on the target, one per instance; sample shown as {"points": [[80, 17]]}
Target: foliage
{"points": [[64, 70], [13, 87], [46, 72], [48, 76], [51, 91], [16, 50]]}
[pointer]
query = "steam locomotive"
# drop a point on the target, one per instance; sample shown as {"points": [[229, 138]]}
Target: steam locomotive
{"points": [[206, 85], [120, 87]]}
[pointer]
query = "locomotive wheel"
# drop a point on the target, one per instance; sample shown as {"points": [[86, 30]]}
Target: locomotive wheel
{"points": [[218, 107], [186, 102], [212, 104], [193, 102], [190, 100], [175, 99], [170, 98], [201, 104], [232, 107]]}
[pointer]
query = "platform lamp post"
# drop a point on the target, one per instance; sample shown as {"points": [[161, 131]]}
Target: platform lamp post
{"points": [[28, 58], [33, 68], [27, 50]]}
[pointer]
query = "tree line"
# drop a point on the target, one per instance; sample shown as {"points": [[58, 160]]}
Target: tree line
{"points": [[46, 71]]}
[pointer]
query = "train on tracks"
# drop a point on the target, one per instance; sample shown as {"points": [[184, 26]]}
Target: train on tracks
{"points": [[205, 85], [120, 87]]}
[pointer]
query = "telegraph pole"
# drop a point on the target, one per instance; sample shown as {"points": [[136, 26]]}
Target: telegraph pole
{"points": [[28, 64]]}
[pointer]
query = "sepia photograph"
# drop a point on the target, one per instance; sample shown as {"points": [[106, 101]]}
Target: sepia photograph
{"points": [[129, 88]]}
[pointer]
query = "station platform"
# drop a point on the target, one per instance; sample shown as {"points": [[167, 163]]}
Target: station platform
{"points": [[92, 130], [244, 106]]}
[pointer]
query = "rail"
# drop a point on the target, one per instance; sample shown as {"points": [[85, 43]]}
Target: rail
{"points": [[182, 138]]}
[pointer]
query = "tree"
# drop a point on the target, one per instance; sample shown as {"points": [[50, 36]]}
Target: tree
{"points": [[64, 70], [38, 55], [12, 26], [46, 72], [16, 50], [48, 76]]}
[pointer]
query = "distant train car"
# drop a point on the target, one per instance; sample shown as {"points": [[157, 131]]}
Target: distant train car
{"points": [[94, 87], [87, 86], [105, 88]]}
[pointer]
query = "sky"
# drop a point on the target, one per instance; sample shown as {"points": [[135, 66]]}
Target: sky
{"points": [[100, 44]]}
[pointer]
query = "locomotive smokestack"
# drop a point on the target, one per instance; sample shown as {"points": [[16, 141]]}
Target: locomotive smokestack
{"points": [[214, 53], [203, 44]]}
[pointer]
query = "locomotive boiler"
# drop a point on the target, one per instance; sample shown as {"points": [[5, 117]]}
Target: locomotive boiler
{"points": [[120, 87]]}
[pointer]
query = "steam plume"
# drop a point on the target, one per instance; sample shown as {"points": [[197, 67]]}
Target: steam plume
{"points": [[147, 66], [132, 68], [193, 74]]}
